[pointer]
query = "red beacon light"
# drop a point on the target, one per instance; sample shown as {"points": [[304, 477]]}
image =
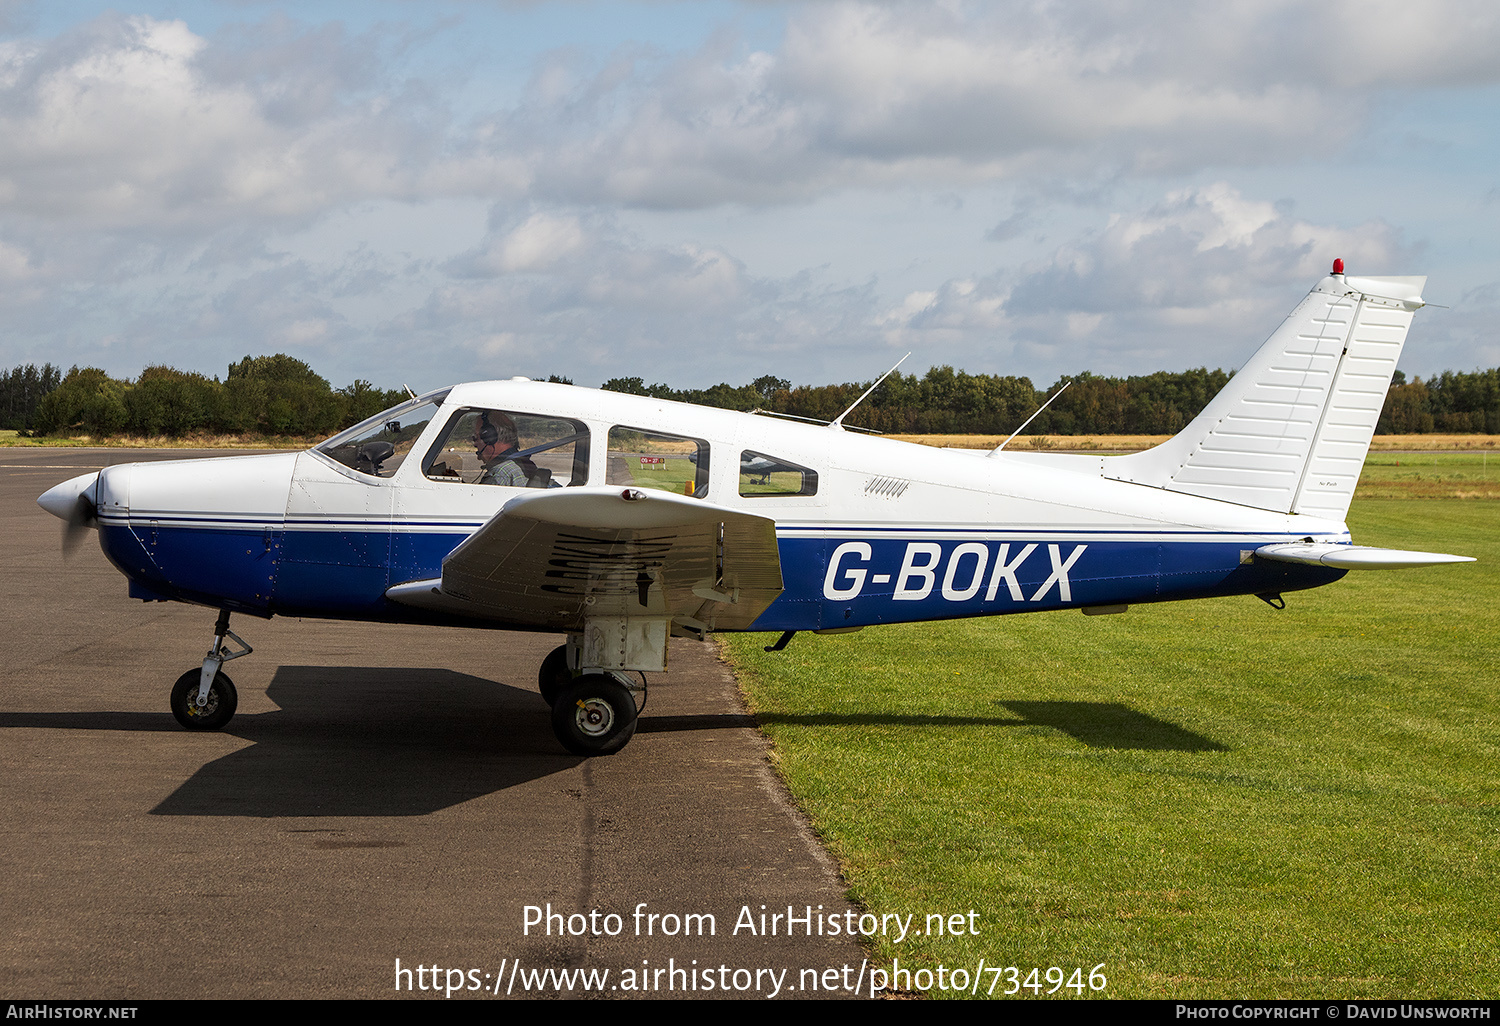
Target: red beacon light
{"points": [[1338, 265]]}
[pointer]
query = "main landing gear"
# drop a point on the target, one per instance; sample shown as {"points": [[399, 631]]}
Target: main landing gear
{"points": [[592, 713], [204, 698]]}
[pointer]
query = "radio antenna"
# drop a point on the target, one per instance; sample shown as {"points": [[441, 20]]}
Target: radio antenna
{"points": [[1031, 418], [838, 422]]}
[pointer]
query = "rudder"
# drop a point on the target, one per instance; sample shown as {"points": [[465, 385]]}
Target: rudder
{"points": [[1290, 431]]}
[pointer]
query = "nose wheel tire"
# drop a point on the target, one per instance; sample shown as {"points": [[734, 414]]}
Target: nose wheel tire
{"points": [[222, 701], [594, 715]]}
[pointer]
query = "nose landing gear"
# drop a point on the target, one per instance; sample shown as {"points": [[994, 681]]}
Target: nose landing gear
{"points": [[205, 698], [216, 711]]}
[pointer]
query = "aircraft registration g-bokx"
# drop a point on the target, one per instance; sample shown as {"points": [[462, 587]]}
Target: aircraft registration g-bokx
{"points": [[620, 520]]}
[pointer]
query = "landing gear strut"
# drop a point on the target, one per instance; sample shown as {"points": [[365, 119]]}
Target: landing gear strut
{"points": [[592, 713], [205, 699]]}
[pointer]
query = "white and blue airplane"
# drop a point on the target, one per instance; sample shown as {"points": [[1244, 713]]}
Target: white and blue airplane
{"points": [[619, 521]]}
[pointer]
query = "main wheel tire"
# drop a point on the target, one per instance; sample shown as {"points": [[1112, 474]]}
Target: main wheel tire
{"points": [[222, 701], [594, 715], [554, 674]]}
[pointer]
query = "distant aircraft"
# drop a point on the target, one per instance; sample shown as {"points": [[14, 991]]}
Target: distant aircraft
{"points": [[759, 468], [619, 521]]}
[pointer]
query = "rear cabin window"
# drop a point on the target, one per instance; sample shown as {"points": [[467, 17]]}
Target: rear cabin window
{"points": [[762, 474], [649, 459], [510, 448]]}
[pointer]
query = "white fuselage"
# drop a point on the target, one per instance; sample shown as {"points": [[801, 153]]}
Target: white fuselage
{"points": [[891, 531]]}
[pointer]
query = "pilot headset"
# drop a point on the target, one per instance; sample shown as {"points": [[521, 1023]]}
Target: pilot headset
{"points": [[488, 433]]}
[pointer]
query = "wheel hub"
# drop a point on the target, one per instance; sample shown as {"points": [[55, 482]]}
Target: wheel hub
{"points": [[595, 716]]}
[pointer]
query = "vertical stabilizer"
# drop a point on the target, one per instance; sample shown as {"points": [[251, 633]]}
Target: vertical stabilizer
{"points": [[1290, 431]]}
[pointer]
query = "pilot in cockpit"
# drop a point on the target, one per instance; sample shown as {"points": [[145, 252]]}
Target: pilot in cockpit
{"points": [[495, 443]]}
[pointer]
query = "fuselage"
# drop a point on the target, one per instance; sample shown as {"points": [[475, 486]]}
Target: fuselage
{"points": [[869, 530]]}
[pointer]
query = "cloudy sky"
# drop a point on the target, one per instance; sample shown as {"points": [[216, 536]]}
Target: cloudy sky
{"points": [[424, 192]]}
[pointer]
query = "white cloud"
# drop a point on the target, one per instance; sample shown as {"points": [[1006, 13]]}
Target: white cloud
{"points": [[876, 94], [615, 304], [913, 305], [561, 261], [1200, 278], [152, 177], [535, 244], [15, 264], [142, 124], [1196, 248], [139, 124]]}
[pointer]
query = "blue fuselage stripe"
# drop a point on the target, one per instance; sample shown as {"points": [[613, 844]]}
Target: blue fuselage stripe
{"points": [[834, 576]]}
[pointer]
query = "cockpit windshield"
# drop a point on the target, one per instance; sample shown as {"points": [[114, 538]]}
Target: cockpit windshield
{"points": [[379, 445]]}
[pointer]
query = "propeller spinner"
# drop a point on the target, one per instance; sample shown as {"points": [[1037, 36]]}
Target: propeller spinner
{"points": [[74, 503]]}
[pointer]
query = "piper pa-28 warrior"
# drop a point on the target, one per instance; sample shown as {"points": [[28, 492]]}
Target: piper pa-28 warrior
{"points": [[619, 521]]}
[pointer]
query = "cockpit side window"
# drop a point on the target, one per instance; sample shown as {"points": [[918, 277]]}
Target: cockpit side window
{"points": [[764, 475], [510, 448], [381, 444], [649, 459]]}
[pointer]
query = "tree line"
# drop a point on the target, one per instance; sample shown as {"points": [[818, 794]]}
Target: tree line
{"points": [[946, 401], [1450, 402], [281, 395], [262, 395]]}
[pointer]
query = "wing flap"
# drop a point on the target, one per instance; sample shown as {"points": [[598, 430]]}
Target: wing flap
{"points": [[556, 558]]}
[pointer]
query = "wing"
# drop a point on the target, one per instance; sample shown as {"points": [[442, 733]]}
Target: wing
{"points": [[555, 558]]}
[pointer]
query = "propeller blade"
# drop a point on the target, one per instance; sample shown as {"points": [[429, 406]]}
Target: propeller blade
{"points": [[73, 502], [80, 518]]}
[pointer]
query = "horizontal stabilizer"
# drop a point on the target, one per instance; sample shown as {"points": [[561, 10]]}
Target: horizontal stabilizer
{"points": [[1354, 557]]}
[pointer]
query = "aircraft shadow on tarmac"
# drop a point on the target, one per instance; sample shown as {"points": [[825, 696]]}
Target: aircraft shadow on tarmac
{"points": [[374, 741], [382, 741], [367, 741], [1096, 724]]}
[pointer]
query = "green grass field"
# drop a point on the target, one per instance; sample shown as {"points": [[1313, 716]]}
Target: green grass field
{"points": [[1432, 475], [197, 441], [1214, 798]]}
